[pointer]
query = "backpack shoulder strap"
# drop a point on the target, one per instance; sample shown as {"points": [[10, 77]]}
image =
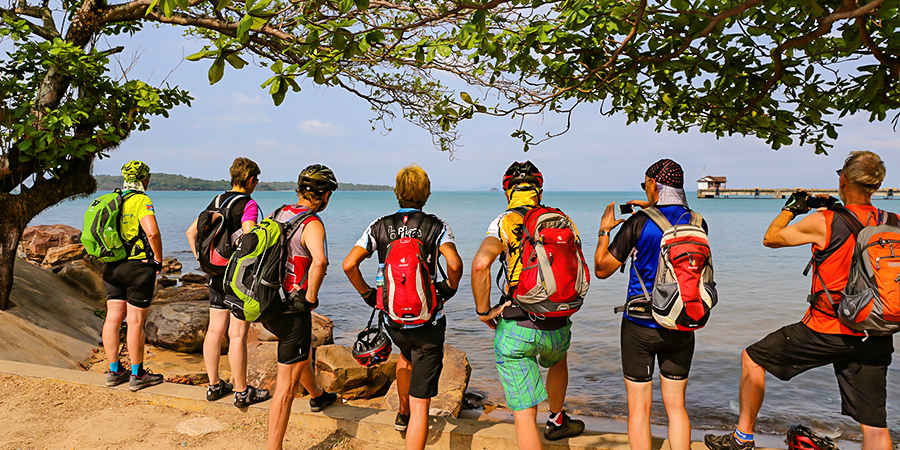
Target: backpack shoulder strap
{"points": [[849, 218], [696, 219], [229, 202], [892, 219], [658, 218]]}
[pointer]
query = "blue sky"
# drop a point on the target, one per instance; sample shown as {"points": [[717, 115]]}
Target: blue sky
{"points": [[237, 118]]}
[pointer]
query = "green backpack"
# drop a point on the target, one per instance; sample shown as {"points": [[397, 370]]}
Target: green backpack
{"points": [[256, 270], [102, 233]]}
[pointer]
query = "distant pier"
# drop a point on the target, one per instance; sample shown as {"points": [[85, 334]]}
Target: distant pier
{"points": [[886, 194]]}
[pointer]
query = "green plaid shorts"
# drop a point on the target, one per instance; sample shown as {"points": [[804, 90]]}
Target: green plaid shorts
{"points": [[519, 351]]}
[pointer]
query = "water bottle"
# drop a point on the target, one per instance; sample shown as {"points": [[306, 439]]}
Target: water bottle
{"points": [[379, 276]]}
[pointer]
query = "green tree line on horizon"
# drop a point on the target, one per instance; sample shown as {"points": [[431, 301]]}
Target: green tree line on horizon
{"points": [[174, 182]]}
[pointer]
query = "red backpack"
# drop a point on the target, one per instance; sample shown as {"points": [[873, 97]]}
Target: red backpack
{"points": [[214, 243], [408, 295], [554, 276]]}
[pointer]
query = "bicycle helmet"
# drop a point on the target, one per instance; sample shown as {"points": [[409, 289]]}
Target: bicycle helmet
{"points": [[802, 438], [525, 172], [317, 178], [134, 171], [372, 346]]}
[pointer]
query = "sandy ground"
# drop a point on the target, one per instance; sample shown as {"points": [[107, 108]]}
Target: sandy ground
{"points": [[45, 414]]}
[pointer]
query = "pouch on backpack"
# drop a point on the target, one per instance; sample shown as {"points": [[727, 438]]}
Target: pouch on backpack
{"points": [[408, 295]]}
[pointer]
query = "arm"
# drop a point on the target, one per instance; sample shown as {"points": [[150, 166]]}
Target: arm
{"points": [[313, 239], [490, 249], [351, 268], [248, 218], [151, 230], [604, 262], [191, 234], [454, 264], [810, 230]]}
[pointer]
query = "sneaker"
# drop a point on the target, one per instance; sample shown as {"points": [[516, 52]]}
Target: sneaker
{"points": [[149, 379], [218, 390], [117, 378], [570, 427], [319, 403], [401, 422], [251, 396], [726, 442]]}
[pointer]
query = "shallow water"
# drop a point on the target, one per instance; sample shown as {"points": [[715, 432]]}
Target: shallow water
{"points": [[760, 289]]}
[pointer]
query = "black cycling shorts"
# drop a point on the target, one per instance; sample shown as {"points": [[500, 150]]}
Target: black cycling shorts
{"points": [[294, 332], [423, 347], [640, 345], [131, 280], [217, 293], [859, 365]]}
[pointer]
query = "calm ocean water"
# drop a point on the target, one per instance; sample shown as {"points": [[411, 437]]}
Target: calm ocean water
{"points": [[760, 289]]}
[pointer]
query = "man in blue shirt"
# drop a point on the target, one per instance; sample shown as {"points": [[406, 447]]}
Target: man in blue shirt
{"points": [[642, 339]]}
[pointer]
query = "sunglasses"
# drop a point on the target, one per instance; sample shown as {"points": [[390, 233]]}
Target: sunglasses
{"points": [[644, 185], [839, 171]]}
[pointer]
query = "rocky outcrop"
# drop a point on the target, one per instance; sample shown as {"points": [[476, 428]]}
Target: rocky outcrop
{"points": [[37, 240], [178, 326], [193, 278], [451, 387], [170, 265], [186, 293], [262, 364], [337, 371], [85, 276], [323, 330], [60, 255]]}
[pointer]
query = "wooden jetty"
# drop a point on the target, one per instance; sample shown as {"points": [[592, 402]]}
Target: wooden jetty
{"points": [[886, 193]]}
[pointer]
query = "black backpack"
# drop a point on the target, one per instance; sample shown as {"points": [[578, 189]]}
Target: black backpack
{"points": [[213, 241]]}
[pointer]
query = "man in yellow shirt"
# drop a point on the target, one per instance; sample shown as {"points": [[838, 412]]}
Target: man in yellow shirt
{"points": [[130, 282]]}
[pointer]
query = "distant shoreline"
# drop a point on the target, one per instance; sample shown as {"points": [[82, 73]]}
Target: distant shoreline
{"points": [[181, 183]]}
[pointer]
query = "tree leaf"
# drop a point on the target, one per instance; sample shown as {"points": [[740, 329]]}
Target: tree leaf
{"points": [[235, 61], [243, 31], [217, 70], [444, 51], [362, 4], [466, 97], [278, 66]]}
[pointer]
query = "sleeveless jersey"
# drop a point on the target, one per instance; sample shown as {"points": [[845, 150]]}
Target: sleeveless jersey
{"points": [[298, 258]]}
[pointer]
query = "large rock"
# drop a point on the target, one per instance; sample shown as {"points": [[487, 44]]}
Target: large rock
{"points": [[186, 293], [323, 330], [178, 326], [338, 372], [64, 254], [82, 275], [451, 387], [37, 240], [262, 364], [193, 278], [170, 265]]}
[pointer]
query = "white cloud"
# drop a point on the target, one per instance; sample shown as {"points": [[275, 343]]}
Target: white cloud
{"points": [[318, 128], [239, 99]]}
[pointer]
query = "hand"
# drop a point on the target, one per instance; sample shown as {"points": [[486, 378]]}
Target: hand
{"points": [[444, 291], [608, 221], [490, 319], [643, 204], [370, 297], [157, 265], [313, 304], [796, 203]]}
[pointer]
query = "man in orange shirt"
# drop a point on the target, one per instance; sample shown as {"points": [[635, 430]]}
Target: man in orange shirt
{"points": [[860, 362]]}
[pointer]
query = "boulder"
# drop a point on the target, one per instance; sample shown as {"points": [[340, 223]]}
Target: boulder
{"points": [[170, 265], [323, 330], [337, 371], [178, 326], [165, 282], [451, 387], [193, 278], [262, 365], [262, 334], [64, 254], [38, 239], [83, 276], [186, 293]]}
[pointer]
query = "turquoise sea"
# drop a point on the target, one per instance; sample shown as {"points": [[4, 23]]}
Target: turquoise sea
{"points": [[760, 289]]}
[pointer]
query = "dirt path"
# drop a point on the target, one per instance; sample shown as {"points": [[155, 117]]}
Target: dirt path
{"points": [[45, 414]]}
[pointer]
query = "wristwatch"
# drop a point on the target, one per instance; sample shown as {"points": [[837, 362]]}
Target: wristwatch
{"points": [[602, 232]]}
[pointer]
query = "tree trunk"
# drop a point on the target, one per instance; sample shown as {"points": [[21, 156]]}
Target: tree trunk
{"points": [[10, 233], [19, 209]]}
